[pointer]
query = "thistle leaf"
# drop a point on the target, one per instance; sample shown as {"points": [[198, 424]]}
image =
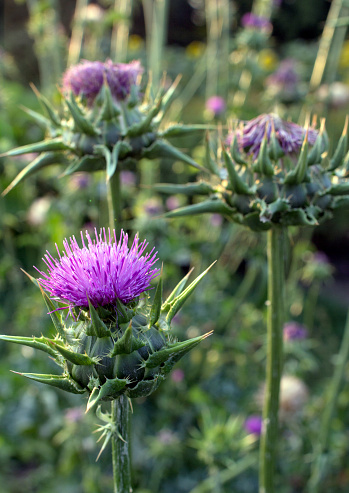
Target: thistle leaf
{"points": [[212, 205], [144, 126], [81, 122], [177, 291], [296, 176], [97, 327], [236, 182], [45, 159], [127, 343], [341, 149], [178, 130], [109, 389], [162, 148], [55, 317], [201, 188], [210, 163], [175, 350], [46, 145], [40, 343], [59, 381], [75, 358], [179, 301], [156, 306], [47, 107]]}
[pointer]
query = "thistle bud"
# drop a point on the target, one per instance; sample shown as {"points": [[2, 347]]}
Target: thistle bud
{"points": [[105, 121], [282, 175], [113, 343]]}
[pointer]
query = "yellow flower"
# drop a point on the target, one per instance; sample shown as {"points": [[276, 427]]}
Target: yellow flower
{"points": [[135, 42], [267, 59], [344, 56], [195, 49]]}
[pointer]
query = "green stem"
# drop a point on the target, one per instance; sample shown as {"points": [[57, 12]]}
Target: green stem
{"points": [[76, 39], [328, 38], [319, 463], [121, 445], [114, 201], [276, 290], [121, 31]]}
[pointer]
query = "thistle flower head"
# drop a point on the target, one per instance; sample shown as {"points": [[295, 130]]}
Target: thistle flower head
{"points": [[294, 331], [102, 271], [216, 105], [254, 21], [87, 78], [253, 424], [289, 135], [286, 76]]}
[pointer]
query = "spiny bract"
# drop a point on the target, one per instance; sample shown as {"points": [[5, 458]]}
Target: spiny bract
{"points": [[114, 342]]}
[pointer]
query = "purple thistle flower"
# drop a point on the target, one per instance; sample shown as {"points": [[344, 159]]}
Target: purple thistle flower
{"points": [[286, 76], [253, 424], [102, 271], [216, 105], [256, 22], [294, 331], [87, 78], [289, 135]]}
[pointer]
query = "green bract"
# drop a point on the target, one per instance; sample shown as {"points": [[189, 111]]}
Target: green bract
{"points": [[108, 353], [103, 135]]}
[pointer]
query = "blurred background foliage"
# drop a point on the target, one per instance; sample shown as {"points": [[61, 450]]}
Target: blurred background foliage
{"points": [[190, 435]]}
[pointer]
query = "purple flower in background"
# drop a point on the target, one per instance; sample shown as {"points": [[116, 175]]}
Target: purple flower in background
{"points": [[253, 424], [102, 271], [128, 178], [256, 22], [321, 258], [87, 78], [216, 105], [172, 203], [177, 375], [153, 207], [286, 76], [293, 331], [289, 135]]}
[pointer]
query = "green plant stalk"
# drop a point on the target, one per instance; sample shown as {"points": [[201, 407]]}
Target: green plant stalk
{"points": [[329, 39], [275, 321], [310, 305], [121, 445], [332, 393], [114, 201], [156, 22], [76, 40], [263, 8], [121, 31]]}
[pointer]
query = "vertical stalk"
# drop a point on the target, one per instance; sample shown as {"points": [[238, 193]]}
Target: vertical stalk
{"points": [[114, 201], [121, 31], [319, 463], [77, 36], [276, 290], [156, 26], [121, 445], [327, 40]]}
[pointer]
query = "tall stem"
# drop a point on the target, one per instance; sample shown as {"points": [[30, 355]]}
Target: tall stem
{"points": [[121, 445], [319, 464], [114, 201], [276, 290]]}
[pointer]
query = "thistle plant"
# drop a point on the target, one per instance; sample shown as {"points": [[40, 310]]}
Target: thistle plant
{"points": [[105, 121], [113, 345], [270, 174]]}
